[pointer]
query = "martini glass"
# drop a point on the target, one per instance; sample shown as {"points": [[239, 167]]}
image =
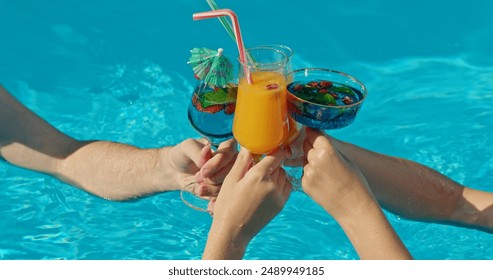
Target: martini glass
{"points": [[322, 99]]}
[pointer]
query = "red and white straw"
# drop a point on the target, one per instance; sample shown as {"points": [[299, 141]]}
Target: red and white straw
{"points": [[236, 28]]}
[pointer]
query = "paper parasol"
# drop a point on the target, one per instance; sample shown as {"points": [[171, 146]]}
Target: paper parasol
{"points": [[211, 66]]}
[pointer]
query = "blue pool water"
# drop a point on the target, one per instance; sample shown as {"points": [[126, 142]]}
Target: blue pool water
{"points": [[116, 70]]}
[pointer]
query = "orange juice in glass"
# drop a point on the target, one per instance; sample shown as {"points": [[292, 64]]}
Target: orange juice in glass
{"points": [[261, 121], [294, 127]]}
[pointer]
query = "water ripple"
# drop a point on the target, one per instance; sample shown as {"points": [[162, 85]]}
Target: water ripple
{"points": [[436, 111]]}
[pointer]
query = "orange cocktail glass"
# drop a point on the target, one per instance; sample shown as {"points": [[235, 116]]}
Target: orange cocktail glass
{"points": [[294, 127], [261, 121]]}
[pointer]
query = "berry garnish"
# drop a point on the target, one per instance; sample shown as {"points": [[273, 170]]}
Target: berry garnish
{"points": [[325, 84], [312, 84], [323, 90], [198, 106], [347, 100], [213, 109], [334, 95], [230, 108], [271, 86], [297, 87]]}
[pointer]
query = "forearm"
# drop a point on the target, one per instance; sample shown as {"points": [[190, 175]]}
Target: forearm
{"points": [[404, 187], [107, 169], [117, 171], [415, 191], [360, 216], [29, 141], [224, 243], [373, 237]]}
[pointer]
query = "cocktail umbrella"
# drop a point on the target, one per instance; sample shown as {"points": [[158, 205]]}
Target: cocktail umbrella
{"points": [[211, 66]]}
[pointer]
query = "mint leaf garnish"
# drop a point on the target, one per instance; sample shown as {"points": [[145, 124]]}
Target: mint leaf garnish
{"points": [[219, 96], [343, 89]]}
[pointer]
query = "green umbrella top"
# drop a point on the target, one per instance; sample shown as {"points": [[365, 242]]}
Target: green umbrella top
{"points": [[211, 66]]}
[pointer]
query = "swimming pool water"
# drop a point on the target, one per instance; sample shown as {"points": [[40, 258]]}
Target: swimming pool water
{"points": [[116, 70]]}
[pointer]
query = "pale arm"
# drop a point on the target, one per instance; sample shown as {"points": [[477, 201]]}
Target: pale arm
{"points": [[248, 200], [415, 191], [372, 235]]}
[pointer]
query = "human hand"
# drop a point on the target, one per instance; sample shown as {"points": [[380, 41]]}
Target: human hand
{"points": [[186, 159], [331, 180], [250, 197], [338, 186], [215, 166]]}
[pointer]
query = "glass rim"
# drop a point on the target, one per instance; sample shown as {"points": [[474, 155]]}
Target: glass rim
{"points": [[269, 65], [289, 52], [306, 70]]}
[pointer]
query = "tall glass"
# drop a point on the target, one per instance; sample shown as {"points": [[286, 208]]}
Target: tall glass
{"points": [[287, 51], [261, 121], [294, 127]]}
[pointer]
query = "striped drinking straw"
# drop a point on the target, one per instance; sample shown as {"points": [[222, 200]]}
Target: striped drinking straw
{"points": [[236, 27]]}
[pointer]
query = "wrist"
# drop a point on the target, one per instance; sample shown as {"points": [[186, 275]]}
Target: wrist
{"points": [[372, 236], [225, 241], [350, 201], [165, 178], [362, 217]]}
